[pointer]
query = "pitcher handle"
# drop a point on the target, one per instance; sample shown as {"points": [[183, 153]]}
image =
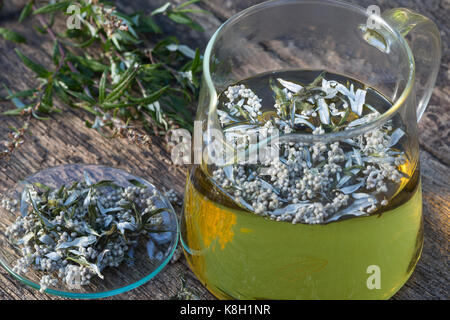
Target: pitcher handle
{"points": [[425, 44]]}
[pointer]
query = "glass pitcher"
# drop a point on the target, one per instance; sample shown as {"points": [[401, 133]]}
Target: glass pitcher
{"points": [[239, 252]]}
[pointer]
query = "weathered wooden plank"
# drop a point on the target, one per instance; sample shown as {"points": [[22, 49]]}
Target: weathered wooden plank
{"points": [[431, 277], [66, 140]]}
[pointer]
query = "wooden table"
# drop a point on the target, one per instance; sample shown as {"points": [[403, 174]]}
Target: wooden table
{"points": [[65, 139]]}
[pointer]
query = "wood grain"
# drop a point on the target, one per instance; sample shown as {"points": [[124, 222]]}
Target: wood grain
{"points": [[65, 139]]}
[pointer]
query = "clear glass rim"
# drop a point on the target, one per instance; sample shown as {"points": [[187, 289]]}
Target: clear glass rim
{"points": [[388, 114], [108, 293]]}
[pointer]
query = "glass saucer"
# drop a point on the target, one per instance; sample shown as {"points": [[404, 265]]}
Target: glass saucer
{"points": [[145, 260]]}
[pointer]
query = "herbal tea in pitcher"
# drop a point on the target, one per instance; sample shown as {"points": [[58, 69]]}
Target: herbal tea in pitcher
{"points": [[309, 184], [321, 219]]}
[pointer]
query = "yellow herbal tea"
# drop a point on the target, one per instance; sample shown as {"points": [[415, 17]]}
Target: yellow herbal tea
{"points": [[237, 254], [337, 220]]}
